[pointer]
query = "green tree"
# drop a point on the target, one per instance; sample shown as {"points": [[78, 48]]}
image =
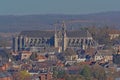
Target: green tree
{"points": [[98, 73], [61, 74], [55, 72], [86, 73]]}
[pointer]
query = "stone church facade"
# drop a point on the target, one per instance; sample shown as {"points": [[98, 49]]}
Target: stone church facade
{"points": [[61, 39]]}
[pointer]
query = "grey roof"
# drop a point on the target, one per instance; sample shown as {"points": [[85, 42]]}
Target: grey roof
{"points": [[3, 56], [73, 33], [4, 74], [37, 33], [80, 33], [105, 52], [1, 64]]}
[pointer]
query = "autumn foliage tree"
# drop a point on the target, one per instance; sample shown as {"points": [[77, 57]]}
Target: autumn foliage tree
{"points": [[22, 75]]}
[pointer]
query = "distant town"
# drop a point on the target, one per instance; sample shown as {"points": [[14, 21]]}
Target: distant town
{"points": [[86, 53]]}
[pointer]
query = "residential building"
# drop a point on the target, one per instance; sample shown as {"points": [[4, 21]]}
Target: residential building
{"points": [[41, 58], [103, 55], [45, 76], [5, 76], [114, 34], [25, 54]]}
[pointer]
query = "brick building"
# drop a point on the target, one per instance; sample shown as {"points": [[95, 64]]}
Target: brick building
{"points": [[45, 76], [4, 75]]}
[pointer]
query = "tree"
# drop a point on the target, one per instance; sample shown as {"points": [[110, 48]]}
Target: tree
{"points": [[55, 73], [74, 77], [86, 73], [101, 35], [22, 75], [116, 59], [61, 74], [33, 56], [58, 73], [98, 73]]}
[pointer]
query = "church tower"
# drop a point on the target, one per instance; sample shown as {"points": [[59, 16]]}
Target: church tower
{"points": [[64, 37], [55, 38], [60, 38]]}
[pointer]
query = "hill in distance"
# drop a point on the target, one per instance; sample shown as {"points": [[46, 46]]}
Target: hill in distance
{"points": [[17, 23]]}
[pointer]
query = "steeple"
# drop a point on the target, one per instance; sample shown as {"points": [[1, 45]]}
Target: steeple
{"points": [[63, 36], [60, 37], [63, 26], [55, 37]]}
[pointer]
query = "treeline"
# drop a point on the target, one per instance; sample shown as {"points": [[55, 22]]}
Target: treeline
{"points": [[101, 35], [84, 73]]}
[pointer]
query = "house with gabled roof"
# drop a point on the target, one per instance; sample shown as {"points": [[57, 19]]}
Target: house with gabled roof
{"points": [[114, 33], [104, 55]]}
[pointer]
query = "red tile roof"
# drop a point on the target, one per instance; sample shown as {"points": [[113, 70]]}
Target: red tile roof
{"points": [[113, 31]]}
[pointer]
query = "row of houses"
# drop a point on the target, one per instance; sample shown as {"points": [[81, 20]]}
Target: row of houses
{"points": [[91, 54]]}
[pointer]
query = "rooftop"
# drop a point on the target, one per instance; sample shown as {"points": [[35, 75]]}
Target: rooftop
{"points": [[113, 31], [78, 33], [4, 74], [38, 33], [105, 52]]}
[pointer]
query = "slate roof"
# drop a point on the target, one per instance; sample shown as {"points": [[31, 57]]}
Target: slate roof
{"points": [[38, 33], [90, 51], [75, 33], [4, 74], [3, 56], [1, 64], [105, 52]]}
